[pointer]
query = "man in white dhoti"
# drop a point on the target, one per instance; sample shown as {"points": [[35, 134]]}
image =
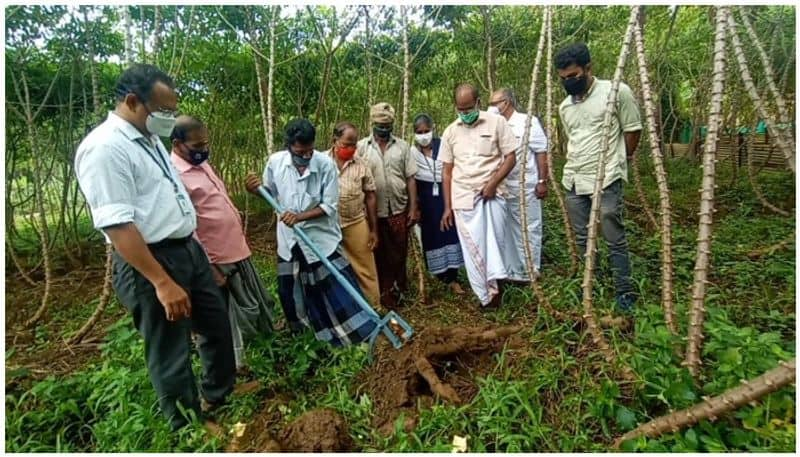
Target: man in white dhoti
{"points": [[504, 102], [478, 150]]}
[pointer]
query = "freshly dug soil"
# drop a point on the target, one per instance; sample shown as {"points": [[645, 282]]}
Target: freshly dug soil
{"points": [[437, 363]]}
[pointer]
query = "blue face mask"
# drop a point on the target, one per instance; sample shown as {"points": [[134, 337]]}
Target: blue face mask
{"points": [[299, 161]]}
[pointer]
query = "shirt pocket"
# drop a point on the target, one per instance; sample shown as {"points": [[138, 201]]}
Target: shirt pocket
{"points": [[485, 145]]}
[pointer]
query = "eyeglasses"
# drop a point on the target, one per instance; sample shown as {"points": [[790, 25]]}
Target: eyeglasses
{"points": [[497, 102]]}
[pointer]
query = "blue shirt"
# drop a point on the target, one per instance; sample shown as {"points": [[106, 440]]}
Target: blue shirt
{"points": [[318, 186]]}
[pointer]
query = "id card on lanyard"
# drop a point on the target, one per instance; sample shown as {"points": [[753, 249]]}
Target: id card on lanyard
{"points": [[183, 203]]}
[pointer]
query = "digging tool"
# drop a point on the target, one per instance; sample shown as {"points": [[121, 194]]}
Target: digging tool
{"points": [[384, 324]]}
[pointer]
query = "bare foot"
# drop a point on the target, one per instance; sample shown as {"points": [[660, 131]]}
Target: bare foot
{"points": [[456, 288]]}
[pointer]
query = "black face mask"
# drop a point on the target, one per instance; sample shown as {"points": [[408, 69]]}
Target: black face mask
{"points": [[575, 85], [197, 156], [382, 132]]}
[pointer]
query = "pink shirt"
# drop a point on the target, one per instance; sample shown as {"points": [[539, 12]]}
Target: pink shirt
{"points": [[219, 226]]}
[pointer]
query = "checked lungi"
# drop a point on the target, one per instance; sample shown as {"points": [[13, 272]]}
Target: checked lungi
{"points": [[312, 297]]}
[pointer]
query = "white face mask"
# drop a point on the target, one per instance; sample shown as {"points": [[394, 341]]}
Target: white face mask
{"points": [[493, 110], [424, 139], [159, 123]]}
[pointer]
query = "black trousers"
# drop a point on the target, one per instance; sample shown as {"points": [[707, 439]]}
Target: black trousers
{"points": [[167, 345]]}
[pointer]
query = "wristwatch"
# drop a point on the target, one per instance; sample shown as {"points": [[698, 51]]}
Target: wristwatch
{"points": [[541, 181]]}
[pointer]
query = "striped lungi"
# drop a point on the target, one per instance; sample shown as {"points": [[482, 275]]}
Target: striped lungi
{"points": [[312, 297]]}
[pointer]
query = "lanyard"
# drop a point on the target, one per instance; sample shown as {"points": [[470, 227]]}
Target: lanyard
{"points": [[162, 165]]}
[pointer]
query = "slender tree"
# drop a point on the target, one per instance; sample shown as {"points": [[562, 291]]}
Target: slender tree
{"points": [[665, 208], [715, 407], [744, 73], [702, 259], [769, 75], [594, 215]]}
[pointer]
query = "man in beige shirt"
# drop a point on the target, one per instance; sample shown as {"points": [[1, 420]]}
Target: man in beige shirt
{"points": [[478, 150], [357, 209], [393, 169], [582, 114]]}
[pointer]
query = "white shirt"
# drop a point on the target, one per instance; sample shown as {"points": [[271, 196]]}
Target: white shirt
{"points": [[536, 145], [118, 174], [429, 169], [318, 186]]}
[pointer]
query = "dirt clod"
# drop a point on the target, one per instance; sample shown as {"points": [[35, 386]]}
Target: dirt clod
{"points": [[318, 430]]}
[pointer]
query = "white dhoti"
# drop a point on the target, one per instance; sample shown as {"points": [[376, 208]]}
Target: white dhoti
{"points": [[482, 232], [514, 254]]}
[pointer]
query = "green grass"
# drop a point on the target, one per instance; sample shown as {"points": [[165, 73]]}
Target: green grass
{"points": [[555, 397]]}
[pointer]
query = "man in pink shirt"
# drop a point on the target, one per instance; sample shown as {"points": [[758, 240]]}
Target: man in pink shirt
{"points": [[219, 230]]}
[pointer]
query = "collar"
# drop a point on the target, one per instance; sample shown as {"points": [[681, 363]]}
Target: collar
{"points": [[481, 118], [588, 92], [127, 129], [392, 140], [181, 164], [333, 157]]}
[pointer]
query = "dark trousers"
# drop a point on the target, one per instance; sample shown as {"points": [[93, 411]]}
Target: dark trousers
{"points": [[390, 258], [611, 227], [167, 345]]}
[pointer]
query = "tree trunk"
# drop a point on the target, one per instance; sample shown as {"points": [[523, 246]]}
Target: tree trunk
{"points": [[126, 21], [715, 407], [523, 163], [701, 267], [744, 73], [406, 71], [769, 74], [751, 176], [270, 78], [487, 32], [665, 208], [594, 215], [156, 34], [552, 134], [368, 56], [105, 297]]}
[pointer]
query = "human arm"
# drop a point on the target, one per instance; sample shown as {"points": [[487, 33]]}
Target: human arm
{"points": [[130, 245], [447, 179], [371, 203], [490, 189], [630, 119]]}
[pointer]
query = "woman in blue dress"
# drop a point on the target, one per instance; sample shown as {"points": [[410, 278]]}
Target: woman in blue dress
{"points": [[442, 249]]}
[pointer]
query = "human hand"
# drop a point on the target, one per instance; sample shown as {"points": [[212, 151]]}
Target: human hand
{"points": [[174, 299], [372, 241], [289, 218], [447, 220], [252, 183], [541, 190]]}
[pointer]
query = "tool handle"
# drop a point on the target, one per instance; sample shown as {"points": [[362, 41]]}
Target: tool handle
{"points": [[315, 249]]}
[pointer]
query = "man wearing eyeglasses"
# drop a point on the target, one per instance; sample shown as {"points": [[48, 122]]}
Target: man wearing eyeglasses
{"points": [[504, 103], [161, 274]]}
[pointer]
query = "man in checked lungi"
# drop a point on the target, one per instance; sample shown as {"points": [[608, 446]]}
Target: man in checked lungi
{"points": [[305, 184]]}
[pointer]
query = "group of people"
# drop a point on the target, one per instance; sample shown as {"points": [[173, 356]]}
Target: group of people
{"points": [[182, 264]]}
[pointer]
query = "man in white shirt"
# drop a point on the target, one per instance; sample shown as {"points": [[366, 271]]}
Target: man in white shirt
{"points": [[504, 103], [305, 184], [161, 274]]}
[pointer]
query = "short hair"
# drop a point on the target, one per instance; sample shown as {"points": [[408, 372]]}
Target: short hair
{"points": [[576, 53], [341, 127], [300, 131], [467, 86], [423, 118], [184, 125], [509, 94], [139, 79]]}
